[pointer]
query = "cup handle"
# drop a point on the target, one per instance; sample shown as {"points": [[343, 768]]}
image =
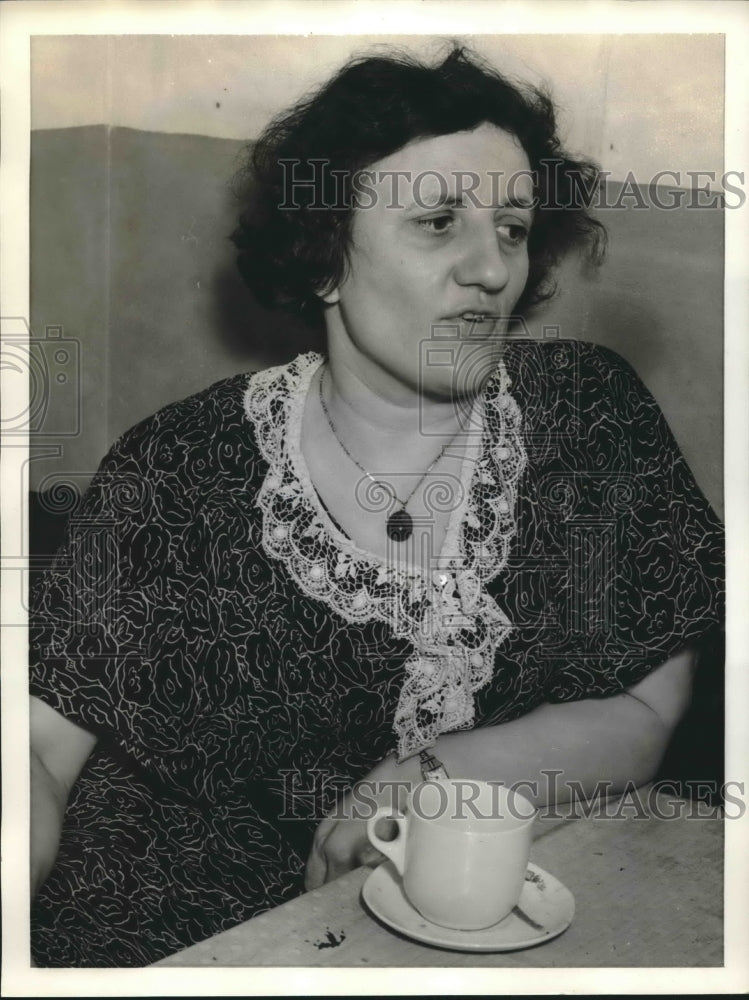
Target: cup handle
{"points": [[393, 849]]}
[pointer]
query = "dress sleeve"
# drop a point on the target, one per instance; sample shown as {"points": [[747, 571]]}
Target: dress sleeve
{"points": [[645, 552], [120, 575]]}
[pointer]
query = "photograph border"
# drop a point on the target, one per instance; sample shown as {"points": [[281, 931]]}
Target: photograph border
{"points": [[18, 22]]}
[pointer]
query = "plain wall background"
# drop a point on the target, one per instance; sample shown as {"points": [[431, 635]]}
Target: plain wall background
{"points": [[639, 103], [129, 225]]}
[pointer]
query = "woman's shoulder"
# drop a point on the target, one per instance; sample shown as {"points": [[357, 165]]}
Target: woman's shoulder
{"points": [[553, 377], [205, 421], [584, 407], [555, 357]]}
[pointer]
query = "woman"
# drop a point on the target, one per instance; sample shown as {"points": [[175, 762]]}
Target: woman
{"points": [[436, 546]]}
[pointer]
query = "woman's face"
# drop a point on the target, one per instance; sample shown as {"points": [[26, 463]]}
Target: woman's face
{"points": [[438, 259]]}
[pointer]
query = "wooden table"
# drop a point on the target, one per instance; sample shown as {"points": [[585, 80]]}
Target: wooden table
{"points": [[648, 892]]}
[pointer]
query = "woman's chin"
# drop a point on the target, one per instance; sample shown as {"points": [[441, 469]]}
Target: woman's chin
{"points": [[452, 389], [464, 381]]}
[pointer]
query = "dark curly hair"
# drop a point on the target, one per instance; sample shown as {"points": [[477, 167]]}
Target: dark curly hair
{"points": [[373, 107]]}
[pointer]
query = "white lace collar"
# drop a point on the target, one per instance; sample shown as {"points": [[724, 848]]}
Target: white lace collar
{"points": [[451, 621]]}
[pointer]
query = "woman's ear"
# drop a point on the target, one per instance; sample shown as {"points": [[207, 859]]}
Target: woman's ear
{"points": [[330, 296]]}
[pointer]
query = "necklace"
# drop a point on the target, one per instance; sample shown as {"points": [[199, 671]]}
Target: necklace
{"points": [[399, 525]]}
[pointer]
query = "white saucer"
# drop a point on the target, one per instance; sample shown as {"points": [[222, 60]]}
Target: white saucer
{"points": [[544, 901]]}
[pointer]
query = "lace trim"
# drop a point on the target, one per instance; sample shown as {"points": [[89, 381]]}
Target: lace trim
{"points": [[451, 621]]}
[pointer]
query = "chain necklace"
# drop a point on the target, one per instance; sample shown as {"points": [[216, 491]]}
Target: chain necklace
{"points": [[399, 524]]}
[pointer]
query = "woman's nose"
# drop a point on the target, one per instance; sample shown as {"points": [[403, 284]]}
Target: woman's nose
{"points": [[482, 262]]}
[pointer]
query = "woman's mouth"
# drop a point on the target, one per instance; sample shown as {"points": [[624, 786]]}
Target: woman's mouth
{"points": [[480, 323]]}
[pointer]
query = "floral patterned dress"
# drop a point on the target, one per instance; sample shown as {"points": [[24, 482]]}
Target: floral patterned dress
{"points": [[242, 662]]}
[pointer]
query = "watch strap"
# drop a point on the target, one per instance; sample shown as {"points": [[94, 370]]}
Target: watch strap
{"points": [[432, 768]]}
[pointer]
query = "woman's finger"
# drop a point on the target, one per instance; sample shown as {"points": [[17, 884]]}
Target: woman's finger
{"points": [[370, 856], [316, 870]]}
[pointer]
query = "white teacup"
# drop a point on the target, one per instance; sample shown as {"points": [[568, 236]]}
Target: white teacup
{"points": [[462, 850]]}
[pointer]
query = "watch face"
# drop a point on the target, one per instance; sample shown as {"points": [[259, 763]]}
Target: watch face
{"points": [[434, 774], [432, 769]]}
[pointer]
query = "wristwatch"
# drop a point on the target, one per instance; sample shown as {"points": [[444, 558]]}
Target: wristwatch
{"points": [[432, 769]]}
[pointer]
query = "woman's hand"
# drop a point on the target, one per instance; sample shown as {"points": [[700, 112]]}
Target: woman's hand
{"points": [[339, 846], [59, 749], [341, 843]]}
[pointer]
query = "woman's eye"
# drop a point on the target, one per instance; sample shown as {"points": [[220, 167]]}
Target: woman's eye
{"points": [[513, 233], [437, 224]]}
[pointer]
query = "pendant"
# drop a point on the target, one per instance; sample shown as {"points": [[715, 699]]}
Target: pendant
{"points": [[400, 526]]}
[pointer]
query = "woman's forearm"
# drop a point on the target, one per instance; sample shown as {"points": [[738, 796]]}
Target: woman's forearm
{"points": [[48, 801], [554, 754], [596, 743]]}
